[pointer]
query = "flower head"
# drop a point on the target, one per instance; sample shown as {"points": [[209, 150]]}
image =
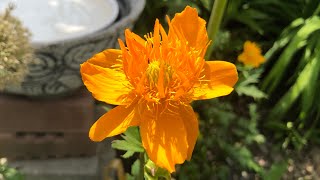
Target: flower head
{"points": [[251, 55], [153, 80]]}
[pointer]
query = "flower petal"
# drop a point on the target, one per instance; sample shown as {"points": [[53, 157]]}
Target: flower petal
{"points": [[219, 79], [114, 122], [191, 26], [106, 58], [192, 127], [103, 81], [164, 137]]}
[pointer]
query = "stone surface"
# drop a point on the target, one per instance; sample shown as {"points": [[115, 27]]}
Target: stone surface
{"points": [[68, 114], [38, 145], [85, 168], [46, 128], [62, 169]]}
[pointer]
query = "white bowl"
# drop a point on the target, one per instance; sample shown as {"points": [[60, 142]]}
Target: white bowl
{"points": [[53, 21]]}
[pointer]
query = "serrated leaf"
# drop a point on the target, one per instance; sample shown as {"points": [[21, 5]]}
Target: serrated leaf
{"points": [[132, 134], [131, 142], [128, 154], [127, 146], [251, 91]]}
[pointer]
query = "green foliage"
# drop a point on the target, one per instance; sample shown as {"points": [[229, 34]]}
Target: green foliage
{"points": [[152, 172], [293, 79], [267, 17], [135, 170], [8, 173], [131, 142], [259, 21], [247, 83], [225, 142], [275, 172]]}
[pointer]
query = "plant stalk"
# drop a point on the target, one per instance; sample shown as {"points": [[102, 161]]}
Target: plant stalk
{"points": [[317, 11], [215, 22], [141, 168]]}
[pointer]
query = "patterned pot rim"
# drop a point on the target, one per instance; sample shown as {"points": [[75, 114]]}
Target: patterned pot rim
{"points": [[135, 7]]}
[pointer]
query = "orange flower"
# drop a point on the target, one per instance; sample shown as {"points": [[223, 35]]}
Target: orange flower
{"points": [[153, 81], [251, 55]]}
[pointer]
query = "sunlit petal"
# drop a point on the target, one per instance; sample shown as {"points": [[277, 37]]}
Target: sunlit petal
{"points": [[114, 122], [192, 126], [191, 26], [164, 137], [105, 84], [219, 77]]}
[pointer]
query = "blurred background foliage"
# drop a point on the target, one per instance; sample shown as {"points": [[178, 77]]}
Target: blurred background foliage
{"points": [[274, 111], [8, 173]]}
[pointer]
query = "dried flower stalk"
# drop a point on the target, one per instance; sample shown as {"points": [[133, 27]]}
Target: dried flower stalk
{"points": [[15, 50]]}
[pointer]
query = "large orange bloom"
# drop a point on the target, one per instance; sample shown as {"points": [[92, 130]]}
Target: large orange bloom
{"points": [[153, 80]]}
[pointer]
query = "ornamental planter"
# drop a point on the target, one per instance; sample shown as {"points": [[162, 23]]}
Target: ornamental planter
{"points": [[57, 70]]}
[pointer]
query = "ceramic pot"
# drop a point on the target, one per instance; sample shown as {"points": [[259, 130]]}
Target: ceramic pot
{"points": [[57, 72]]}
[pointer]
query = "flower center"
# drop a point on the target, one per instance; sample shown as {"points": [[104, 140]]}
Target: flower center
{"points": [[156, 72], [152, 72]]}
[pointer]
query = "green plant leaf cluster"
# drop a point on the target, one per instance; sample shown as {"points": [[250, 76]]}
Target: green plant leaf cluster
{"points": [[248, 81], [8, 173], [225, 142], [267, 17], [293, 80], [276, 171]]}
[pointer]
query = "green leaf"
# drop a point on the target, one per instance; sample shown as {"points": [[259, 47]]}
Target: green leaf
{"points": [[125, 145], [132, 134], [285, 37], [131, 142], [152, 171], [10, 173], [291, 96], [243, 18], [251, 91], [279, 69], [128, 154], [243, 155], [250, 76], [135, 168], [276, 171], [309, 94]]}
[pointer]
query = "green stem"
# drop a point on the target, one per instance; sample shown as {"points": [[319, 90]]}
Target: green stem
{"points": [[214, 22], [317, 11], [141, 168]]}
